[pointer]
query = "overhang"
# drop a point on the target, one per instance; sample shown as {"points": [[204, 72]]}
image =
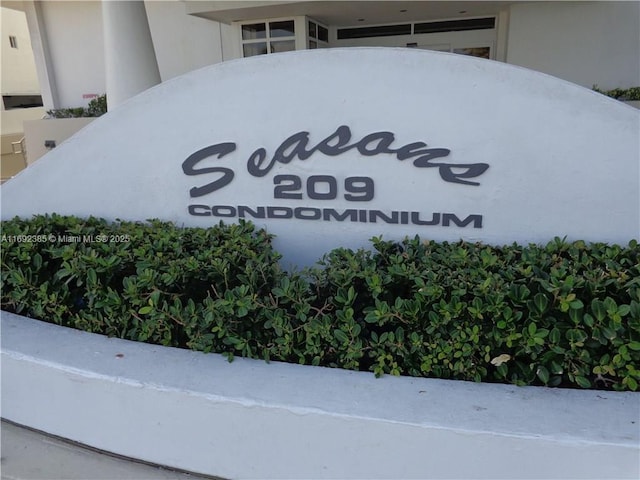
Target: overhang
{"points": [[340, 14]]}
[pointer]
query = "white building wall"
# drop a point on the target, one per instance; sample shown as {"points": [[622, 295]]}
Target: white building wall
{"points": [[588, 43], [182, 42], [583, 42], [19, 76], [231, 47], [74, 32], [75, 41]]}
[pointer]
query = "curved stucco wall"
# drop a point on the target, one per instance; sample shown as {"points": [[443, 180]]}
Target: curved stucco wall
{"points": [[509, 154], [250, 419]]}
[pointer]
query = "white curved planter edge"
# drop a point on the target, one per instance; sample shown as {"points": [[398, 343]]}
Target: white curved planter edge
{"points": [[250, 419]]}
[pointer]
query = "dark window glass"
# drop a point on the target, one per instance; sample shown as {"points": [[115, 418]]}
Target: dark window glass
{"points": [[312, 30], [282, 29], [481, 52], [252, 49], [254, 31], [323, 34], [283, 46], [455, 25], [365, 32], [21, 101]]}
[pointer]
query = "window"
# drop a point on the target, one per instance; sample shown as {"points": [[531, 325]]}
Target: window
{"points": [[467, 36], [481, 52], [417, 28], [381, 31], [455, 25], [268, 37], [318, 35], [13, 41], [21, 101]]}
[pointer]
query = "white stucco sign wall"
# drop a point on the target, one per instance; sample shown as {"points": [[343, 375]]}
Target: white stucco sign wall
{"points": [[328, 148]]}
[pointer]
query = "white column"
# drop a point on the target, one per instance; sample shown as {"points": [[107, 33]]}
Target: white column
{"points": [[42, 55], [130, 61]]}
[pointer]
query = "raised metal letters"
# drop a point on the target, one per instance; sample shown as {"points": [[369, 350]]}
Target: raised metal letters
{"points": [[297, 147], [325, 188]]}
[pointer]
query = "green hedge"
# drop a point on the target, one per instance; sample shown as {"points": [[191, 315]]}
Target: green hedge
{"points": [[96, 108], [632, 93], [562, 314]]}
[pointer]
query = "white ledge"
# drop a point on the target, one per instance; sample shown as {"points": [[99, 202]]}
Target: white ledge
{"points": [[249, 419]]}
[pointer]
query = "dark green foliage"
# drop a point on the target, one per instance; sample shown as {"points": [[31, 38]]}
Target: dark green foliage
{"points": [[560, 314], [143, 289], [95, 108], [563, 314], [632, 93]]}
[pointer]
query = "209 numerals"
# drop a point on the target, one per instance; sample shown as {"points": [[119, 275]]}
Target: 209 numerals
{"points": [[323, 187]]}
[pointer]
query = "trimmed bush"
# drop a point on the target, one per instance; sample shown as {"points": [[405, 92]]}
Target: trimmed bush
{"points": [[632, 93], [562, 314], [96, 108]]}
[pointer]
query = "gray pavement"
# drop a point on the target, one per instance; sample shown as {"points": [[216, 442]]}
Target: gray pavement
{"points": [[29, 455]]}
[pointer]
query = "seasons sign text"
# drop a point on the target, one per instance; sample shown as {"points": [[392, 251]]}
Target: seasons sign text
{"points": [[328, 187]]}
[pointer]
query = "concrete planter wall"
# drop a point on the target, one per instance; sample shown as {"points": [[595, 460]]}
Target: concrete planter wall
{"points": [[37, 132], [250, 419]]}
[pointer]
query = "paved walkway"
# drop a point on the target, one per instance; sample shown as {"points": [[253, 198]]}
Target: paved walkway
{"points": [[29, 455]]}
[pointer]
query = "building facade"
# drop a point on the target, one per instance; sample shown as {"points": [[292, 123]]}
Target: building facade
{"points": [[20, 87], [588, 43], [20, 90]]}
